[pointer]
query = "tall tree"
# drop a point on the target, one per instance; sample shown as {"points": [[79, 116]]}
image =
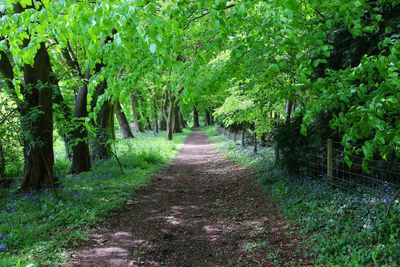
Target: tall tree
{"points": [[37, 112], [196, 122], [123, 123], [135, 113]]}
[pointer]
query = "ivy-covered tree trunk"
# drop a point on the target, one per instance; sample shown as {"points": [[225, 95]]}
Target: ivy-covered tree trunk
{"points": [[123, 123], [80, 149], [177, 119], [38, 123], [195, 118], [136, 114], [101, 146]]}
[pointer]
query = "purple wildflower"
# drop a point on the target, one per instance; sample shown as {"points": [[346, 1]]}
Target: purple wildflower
{"points": [[11, 209], [77, 195], [3, 247], [387, 201]]}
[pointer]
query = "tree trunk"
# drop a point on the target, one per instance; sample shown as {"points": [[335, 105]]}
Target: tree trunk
{"points": [[136, 114], [101, 147], [211, 119], [243, 138], [38, 123], [156, 129], [123, 123], [164, 113], [289, 109], [263, 140], [2, 165], [148, 124], [177, 119], [183, 121], [255, 142], [80, 148], [207, 118], [170, 115], [196, 123]]}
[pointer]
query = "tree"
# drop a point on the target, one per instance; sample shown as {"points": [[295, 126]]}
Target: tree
{"points": [[123, 123]]}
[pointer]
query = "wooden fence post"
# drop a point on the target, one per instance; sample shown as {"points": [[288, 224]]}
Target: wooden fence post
{"points": [[255, 142], [329, 162]]}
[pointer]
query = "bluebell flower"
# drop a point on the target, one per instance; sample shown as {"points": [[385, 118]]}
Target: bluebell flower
{"points": [[77, 195], [3, 236], [11, 209], [3, 247], [387, 201], [27, 195]]}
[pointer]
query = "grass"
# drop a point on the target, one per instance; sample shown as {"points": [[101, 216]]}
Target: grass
{"points": [[340, 228], [37, 228]]}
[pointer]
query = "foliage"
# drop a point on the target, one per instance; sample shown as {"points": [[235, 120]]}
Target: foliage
{"points": [[10, 136], [28, 219], [340, 228], [302, 71]]}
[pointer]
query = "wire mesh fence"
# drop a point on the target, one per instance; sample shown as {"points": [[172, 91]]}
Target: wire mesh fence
{"points": [[382, 177], [327, 163]]}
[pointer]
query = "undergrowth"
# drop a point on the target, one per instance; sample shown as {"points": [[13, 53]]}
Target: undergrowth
{"points": [[36, 228], [339, 228]]}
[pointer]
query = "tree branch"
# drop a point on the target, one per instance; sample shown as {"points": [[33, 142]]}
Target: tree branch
{"points": [[203, 15]]}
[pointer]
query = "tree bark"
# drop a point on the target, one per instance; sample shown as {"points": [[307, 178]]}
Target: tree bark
{"points": [[2, 165], [164, 113], [101, 147], [207, 118], [177, 119], [196, 123], [38, 123], [211, 119], [289, 109], [255, 142], [170, 115], [123, 123], [80, 149], [148, 125], [156, 129], [183, 121], [263, 140], [136, 114]]}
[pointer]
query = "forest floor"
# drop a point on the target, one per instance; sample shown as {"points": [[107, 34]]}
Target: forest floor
{"points": [[203, 210]]}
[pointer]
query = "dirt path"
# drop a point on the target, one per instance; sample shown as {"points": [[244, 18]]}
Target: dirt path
{"points": [[204, 210]]}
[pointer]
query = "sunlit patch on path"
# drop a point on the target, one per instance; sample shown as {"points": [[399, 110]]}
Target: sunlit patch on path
{"points": [[204, 210]]}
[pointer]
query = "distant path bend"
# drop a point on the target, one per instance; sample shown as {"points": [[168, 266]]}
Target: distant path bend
{"points": [[204, 210]]}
